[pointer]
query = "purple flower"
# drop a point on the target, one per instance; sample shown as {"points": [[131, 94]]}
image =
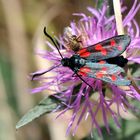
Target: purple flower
{"points": [[90, 30]]}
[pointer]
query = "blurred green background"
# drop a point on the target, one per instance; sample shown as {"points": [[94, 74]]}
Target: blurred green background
{"points": [[21, 31]]}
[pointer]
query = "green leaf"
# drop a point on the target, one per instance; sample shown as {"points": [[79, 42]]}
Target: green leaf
{"points": [[47, 105]]}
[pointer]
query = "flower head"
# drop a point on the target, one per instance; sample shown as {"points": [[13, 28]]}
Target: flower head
{"points": [[88, 31]]}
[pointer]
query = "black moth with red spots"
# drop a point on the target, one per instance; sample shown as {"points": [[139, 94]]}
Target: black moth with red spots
{"points": [[100, 61]]}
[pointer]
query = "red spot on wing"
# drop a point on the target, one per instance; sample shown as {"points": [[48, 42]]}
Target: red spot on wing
{"points": [[114, 78], [86, 54], [98, 47], [85, 69], [103, 52], [104, 68], [120, 48], [82, 51], [82, 73], [112, 42], [102, 62], [99, 74]]}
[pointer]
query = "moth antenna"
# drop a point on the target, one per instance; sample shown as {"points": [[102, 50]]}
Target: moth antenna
{"points": [[41, 73], [52, 42]]}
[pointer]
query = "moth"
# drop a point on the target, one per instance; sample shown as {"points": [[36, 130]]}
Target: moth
{"points": [[101, 61]]}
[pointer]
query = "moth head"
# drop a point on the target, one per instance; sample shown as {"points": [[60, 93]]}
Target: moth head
{"points": [[65, 61]]}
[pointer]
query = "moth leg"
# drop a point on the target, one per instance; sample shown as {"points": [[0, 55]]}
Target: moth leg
{"points": [[84, 80], [74, 75], [103, 91], [79, 39]]}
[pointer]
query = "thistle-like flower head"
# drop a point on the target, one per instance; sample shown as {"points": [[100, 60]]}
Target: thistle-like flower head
{"points": [[77, 93]]}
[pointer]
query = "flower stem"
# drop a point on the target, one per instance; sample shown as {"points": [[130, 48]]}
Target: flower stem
{"points": [[118, 16]]}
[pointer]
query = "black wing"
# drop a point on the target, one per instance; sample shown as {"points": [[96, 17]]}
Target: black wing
{"points": [[109, 48]]}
